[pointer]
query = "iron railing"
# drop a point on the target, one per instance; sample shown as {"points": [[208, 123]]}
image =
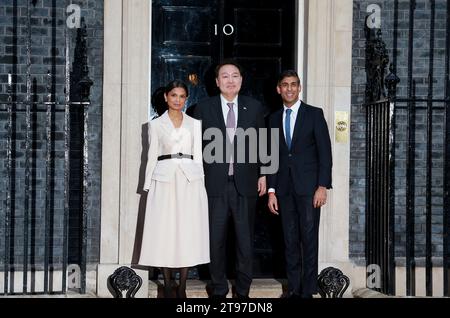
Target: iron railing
{"points": [[381, 120], [76, 99]]}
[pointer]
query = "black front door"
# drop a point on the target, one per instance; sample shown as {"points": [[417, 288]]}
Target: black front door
{"points": [[189, 37]]}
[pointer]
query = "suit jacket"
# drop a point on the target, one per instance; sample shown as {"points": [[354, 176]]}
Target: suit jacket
{"points": [[250, 115], [164, 139], [309, 161]]}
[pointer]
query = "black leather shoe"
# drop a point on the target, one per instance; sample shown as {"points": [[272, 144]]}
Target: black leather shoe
{"points": [[239, 296], [291, 295], [181, 293], [306, 296]]}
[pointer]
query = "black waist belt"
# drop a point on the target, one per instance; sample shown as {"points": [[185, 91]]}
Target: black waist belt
{"points": [[177, 156]]}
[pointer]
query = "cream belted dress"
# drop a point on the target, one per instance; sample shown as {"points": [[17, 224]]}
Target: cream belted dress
{"points": [[176, 229]]}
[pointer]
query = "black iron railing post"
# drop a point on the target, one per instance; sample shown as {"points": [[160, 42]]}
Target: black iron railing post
{"points": [[48, 176], [410, 165], [446, 218], [85, 86], [67, 106], [9, 106], [391, 84], [27, 154], [428, 243]]}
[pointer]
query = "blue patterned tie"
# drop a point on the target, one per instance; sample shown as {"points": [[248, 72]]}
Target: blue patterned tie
{"points": [[287, 127]]}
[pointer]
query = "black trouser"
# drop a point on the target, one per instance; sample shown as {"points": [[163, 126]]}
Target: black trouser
{"points": [[241, 209], [300, 222]]}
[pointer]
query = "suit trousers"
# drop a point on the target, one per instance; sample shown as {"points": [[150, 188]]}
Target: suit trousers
{"points": [[241, 211], [300, 221]]}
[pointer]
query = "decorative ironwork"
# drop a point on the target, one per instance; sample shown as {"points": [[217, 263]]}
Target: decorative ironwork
{"points": [[124, 278], [379, 164], [332, 283], [80, 81], [391, 82], [377, 60]]}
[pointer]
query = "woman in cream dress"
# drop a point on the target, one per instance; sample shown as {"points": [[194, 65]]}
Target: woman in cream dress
{"points": [[176, 229]]}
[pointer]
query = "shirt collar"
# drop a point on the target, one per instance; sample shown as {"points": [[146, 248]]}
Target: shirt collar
{"points": [[294, 107], [225, 102]]}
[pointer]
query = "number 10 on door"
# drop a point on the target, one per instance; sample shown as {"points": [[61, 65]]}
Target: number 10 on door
{"points": [[227, 29]]}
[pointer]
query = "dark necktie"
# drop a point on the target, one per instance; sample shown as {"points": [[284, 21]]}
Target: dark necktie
{"points": [[287, 127]]}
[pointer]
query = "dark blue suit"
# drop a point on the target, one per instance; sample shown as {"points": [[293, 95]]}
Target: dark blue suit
{"points": [[303, 168]]}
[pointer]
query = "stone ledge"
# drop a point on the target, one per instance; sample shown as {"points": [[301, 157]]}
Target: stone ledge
{"points": [[368, 293], [260, 288]]}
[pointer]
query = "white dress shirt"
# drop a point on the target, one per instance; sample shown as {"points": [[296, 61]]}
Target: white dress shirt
{"points": [[225, 109], [293, 116]]}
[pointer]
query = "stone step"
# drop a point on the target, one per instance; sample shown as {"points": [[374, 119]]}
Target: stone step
{"points": [[260, 288]]}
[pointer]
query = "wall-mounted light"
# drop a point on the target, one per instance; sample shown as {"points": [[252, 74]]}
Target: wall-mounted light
{"points": [[193, 79]]}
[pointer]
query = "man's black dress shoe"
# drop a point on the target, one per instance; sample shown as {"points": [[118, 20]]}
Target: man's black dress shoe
{"points": [[291, 295]]}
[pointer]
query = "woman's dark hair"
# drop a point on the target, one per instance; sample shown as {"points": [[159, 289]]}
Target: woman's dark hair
{"points": [[158, 102], [175, 84]]}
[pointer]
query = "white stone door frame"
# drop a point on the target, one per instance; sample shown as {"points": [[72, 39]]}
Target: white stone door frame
{"points": [[328, 85], [125, 111]]}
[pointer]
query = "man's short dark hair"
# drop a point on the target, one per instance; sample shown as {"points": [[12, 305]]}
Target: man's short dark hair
{"points": [[228, 62], [288, 73]]}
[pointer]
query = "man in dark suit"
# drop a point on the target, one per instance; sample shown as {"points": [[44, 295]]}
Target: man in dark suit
{"points": [[299, 188], [232, 185]]}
